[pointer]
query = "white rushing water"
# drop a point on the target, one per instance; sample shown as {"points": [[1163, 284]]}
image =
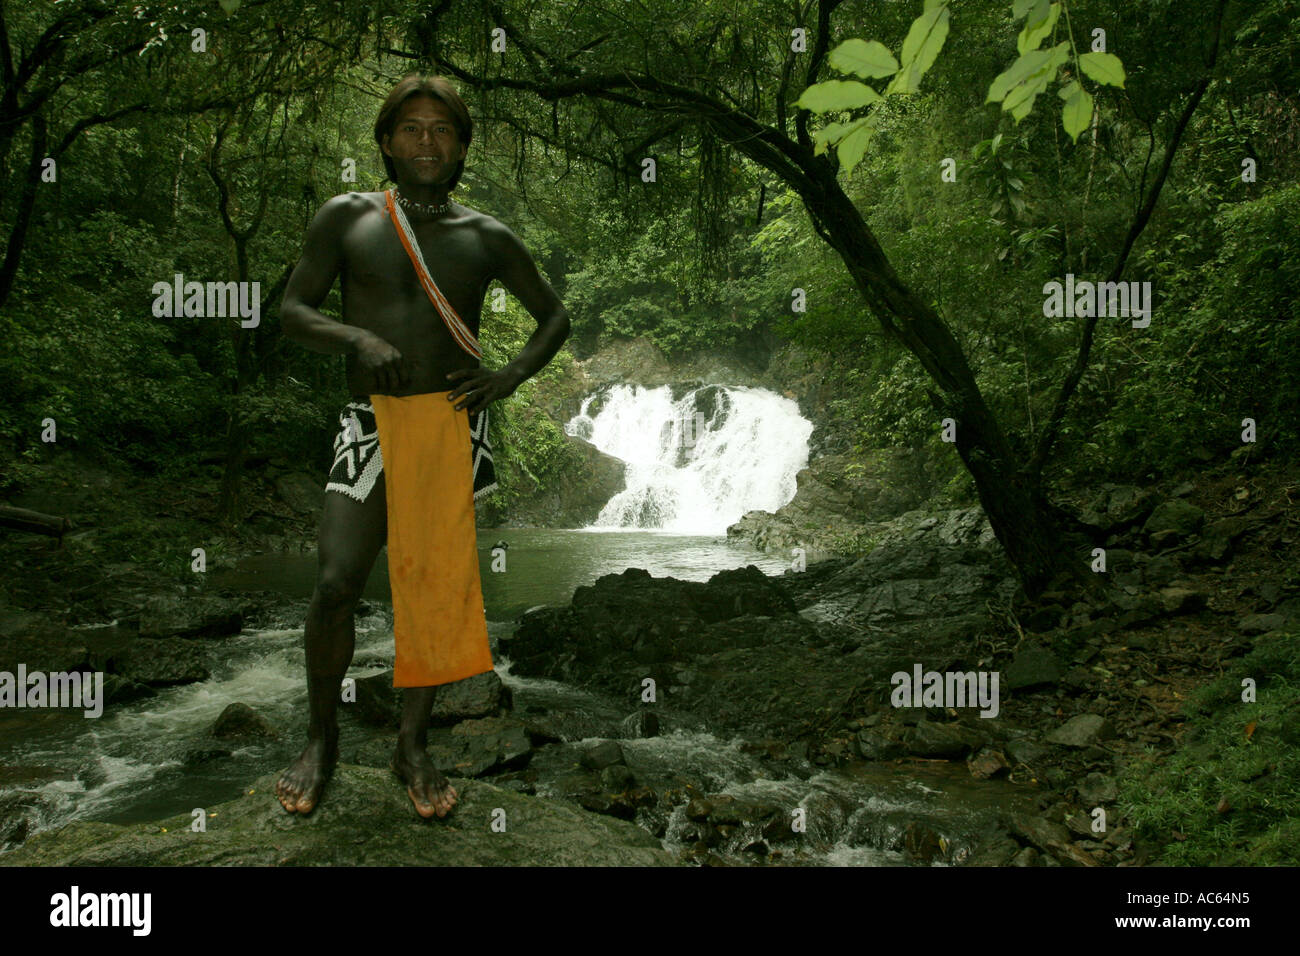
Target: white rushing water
{"points": [[696, 465]]}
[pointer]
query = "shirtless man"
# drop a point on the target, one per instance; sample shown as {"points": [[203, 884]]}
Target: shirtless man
{"points": [[397, 344]]}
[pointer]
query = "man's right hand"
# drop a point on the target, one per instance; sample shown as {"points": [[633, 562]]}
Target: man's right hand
{"points": [[382, 363]]}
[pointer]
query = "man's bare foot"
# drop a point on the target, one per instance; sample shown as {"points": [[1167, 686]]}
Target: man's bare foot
{"points": [[425, 785], [300, 785]]}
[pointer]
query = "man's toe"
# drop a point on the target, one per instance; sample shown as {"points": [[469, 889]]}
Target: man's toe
{"points": [[420, 797]]}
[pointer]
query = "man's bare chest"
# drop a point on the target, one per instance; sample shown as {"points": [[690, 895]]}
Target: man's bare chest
{"points": [[455, 255]]}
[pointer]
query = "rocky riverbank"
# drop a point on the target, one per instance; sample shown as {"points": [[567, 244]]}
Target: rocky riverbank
{"points": [[798, 670], [492, 826]]}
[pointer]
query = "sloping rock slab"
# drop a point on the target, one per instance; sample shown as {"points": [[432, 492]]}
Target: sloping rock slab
{"points": [[364, 819]]}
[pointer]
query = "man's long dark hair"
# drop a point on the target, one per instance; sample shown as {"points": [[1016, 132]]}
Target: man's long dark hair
{"points": [[435, 86]]}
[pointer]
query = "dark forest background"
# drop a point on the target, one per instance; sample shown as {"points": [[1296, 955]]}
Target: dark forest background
{"points": [[210, 163], [141, 140]]}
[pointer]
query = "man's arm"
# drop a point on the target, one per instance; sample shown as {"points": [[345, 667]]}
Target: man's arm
{"points": [[518, 273], [312, 278]]}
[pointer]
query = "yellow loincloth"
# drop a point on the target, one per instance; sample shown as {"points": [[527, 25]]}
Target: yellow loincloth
{"points": [[438, 616]]}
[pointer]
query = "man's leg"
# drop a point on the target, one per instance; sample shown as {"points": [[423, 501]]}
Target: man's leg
{"points": [[428, 789], [351, 534]]}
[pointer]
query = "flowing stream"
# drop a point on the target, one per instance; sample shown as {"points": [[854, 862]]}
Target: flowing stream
{"points": [[696, 464]]}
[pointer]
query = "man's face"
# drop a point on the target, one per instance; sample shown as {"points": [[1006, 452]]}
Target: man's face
{"points": [[424, 145]]}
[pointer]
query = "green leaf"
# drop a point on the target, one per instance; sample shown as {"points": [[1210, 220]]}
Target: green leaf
{"points": [[1020, 103], [837, 95], [1077, 112], [832, 133], [867, 59], [1020, 7], [1019, 71], [1104, 68], [1021, 83], [1035, 32], [921, 46], [853, 146], [1037, 12], [828, 134]]}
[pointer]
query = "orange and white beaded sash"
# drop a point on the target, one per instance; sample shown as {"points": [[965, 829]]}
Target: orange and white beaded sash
{"points": [[459, 330]]}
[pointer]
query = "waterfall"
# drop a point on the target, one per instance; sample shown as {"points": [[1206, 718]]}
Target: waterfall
{"points": [[697, 464]]}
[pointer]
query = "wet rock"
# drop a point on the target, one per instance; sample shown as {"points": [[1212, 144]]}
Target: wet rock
{"points": [[164, 663], [1140, 642], [1261, 623], [1115, 507], [602, 755], [1076, 854], [921, 843], [20, 813], [363, 820], [1028, 856], [1128, 579], [477, 747], [301, 492], [1270, 592], [1078, 679], [1218, 539], [873, 744], [1181, 600], [933, 739], [735, 811], [1161, 571], [22, 776], [1172, 522], [557, 726], [617, 777], [736, 592], [832, 501], [987, 764], [483, 695], [595, 478], [379, 703], [197, 756], [1127, 504], [122, 690], [641, 724], [240, 720], [1027, 752], [1039, 831], [1097, 788], [1043, 618], [634, 619], [997, 849], [195, 615], [1120, 559], [776, 673], [606, 804], [1033, 666], [699, 809], [1082, 731], [1080, 824]]}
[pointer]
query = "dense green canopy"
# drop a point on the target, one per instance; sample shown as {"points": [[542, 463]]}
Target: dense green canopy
{"points": [[973, 158]]}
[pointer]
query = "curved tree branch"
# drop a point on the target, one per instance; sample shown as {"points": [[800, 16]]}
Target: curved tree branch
{"points": [[1033, 469]]}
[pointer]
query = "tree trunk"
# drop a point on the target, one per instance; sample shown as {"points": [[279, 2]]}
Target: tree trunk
{"points": [[228, 504], [1024, 521], [26, 200], [35, 522]]}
